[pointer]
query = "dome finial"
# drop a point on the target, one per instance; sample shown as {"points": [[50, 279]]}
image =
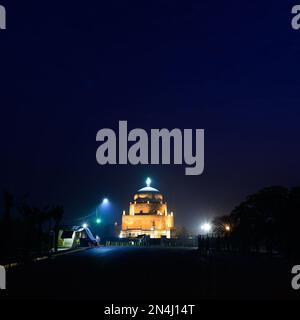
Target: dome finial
{"points": [[148, 182]]}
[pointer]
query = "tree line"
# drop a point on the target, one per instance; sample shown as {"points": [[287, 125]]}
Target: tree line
{"points": [[267, 220], [27, 230]]}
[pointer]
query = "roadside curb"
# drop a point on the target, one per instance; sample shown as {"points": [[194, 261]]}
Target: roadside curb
{"points": [[42, 258]]}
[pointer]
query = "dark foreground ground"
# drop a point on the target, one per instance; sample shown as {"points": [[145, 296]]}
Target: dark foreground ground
{"points": [[134, 273]]}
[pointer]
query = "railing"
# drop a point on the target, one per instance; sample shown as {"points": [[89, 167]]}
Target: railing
{"points": [[163, 242]]}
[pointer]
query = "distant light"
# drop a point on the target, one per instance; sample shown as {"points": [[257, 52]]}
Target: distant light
{"points": [[84, 225], [98, 221], [148, 182], [206, 227], [105, 201], [227, 227]]}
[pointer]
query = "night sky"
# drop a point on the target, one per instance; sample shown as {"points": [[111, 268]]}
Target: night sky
{"points": [[70, 68]]}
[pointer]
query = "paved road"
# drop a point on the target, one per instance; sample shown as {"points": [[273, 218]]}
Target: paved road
{"points": [[151, 273]]}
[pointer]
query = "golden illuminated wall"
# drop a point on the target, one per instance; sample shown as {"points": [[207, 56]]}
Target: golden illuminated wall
{"points": [[147, 222], [144, 208], [148, 195]]}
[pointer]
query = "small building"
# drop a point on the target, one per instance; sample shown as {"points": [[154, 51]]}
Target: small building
{"points": [[148, 215], [75, 236]]}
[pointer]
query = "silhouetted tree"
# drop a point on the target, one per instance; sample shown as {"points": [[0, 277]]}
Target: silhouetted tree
{"points": [[267, 218], [223, 225], [34, 219], [57, 214], [6, 232], [290, 224], [25, 234], [42, 217]]}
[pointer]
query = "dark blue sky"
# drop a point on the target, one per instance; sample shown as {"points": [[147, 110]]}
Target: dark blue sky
{"points": [[70, 68]]}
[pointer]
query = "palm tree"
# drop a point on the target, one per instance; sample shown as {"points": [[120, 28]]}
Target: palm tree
{"points": [[8, 203], [29, 215], [57, 214], [42, 217]]}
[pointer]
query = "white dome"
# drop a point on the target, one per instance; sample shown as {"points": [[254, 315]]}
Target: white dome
{"points": [[148, 189]]}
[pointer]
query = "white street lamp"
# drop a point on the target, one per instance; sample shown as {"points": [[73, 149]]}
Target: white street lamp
{"points": [[206, 227]]}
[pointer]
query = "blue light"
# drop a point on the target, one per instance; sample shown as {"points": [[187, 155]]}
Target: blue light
{"points": [[105, 201]]}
